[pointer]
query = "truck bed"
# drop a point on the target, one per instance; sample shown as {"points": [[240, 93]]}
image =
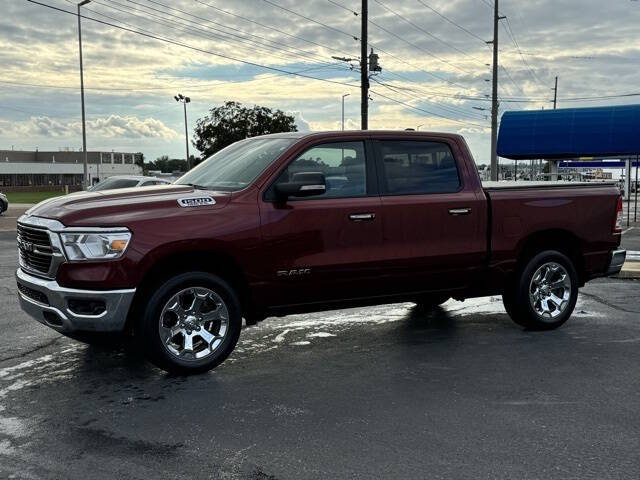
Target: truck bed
{"points": [[578, 213]]}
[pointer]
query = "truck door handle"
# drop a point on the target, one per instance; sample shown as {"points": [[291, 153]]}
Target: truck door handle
{"points": [[459, 211], [360, 217]]}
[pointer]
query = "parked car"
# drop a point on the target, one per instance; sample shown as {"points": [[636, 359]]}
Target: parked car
{"points": [[127, 181], [4, 203], [256, 230]]}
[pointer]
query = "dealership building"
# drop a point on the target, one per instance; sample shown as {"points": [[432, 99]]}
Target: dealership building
{"points": [[23, 169]]}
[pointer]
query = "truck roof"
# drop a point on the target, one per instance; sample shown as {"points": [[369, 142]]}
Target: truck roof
{"points": [[367, 133]]}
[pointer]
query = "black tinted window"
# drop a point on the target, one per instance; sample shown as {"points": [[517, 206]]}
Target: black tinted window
{"points": [[343, 165], [418, 167]]}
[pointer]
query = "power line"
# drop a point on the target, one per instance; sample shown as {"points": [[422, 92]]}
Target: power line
{"points": [[235, 15], [197, 49], [408, 105], [198, 31], [509, 30], [413, 65], [426, 32], [453, 23], [208, 20], [191, 88], [447, 108], [343, 7], [417, 47], [329, 27]]}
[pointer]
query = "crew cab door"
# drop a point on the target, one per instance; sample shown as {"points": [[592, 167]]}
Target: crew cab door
{"points": [[324, 247], [433, 221]]}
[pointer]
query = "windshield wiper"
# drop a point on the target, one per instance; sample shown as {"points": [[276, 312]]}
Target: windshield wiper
{"points": [[196, 186]]}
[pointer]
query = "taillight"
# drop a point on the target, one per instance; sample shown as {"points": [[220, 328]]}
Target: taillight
{"points": [[617, 227]]}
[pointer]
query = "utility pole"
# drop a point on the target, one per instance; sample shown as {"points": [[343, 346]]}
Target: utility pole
{"points": [[343, 97], [494, 96], [364, 64], [555, 94], [85, 174], [185, 100]]}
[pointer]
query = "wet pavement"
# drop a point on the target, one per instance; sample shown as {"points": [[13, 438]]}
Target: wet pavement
{"points": [[380, 392]]}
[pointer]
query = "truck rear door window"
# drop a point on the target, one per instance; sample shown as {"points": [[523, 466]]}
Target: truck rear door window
{"points": [[414, 167], [343, 165]]}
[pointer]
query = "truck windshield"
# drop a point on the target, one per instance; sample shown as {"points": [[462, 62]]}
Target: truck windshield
{"points": [[236, 166]]}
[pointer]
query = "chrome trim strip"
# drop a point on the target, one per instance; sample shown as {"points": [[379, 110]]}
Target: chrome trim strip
{"points": [[362, 216]]}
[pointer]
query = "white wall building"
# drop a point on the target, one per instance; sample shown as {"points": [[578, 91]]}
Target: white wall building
{"points": [[36, 168]]}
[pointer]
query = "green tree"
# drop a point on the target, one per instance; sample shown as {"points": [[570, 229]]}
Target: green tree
{"points": [[231, 122], [168, 165]]}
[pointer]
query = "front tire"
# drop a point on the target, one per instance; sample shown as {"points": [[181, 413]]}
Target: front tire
{"points": [[191, 323], [545, 294]]}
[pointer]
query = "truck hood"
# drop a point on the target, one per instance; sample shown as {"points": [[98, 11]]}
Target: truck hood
{"points": [[123, 206]]}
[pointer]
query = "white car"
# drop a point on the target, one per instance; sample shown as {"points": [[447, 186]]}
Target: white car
{"points": [[127, 181], [4, 203]]}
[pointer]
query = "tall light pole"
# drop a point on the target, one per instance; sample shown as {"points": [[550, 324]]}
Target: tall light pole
{"points": [[343, 97], [421, 125], [85, 177], [185, 100]]}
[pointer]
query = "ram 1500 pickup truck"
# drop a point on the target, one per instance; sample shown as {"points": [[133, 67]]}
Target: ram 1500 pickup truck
{"points": [[299, 222]]}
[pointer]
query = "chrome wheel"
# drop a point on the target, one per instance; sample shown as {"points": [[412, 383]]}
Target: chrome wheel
{"points": [[550, 290], [194, 323]]}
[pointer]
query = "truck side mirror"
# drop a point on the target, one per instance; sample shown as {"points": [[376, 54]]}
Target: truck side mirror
{"points": [[303, 184]]}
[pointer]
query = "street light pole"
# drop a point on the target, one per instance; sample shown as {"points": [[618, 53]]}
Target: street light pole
{"points": [[85, 176], [343, 96], [185, 100], [421, 125]]}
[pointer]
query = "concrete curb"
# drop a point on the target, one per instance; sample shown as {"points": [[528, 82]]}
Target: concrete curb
{"points": [[630, 270]]}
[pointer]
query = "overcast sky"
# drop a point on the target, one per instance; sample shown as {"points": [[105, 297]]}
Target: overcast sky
{"points": [[431, 51]]}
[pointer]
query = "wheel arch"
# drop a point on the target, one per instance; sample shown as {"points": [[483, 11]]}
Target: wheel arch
{"points": [[557, 239], [169, 265]]}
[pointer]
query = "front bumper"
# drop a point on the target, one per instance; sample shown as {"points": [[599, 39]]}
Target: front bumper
{"points": [[48, 303], [617, 261]]}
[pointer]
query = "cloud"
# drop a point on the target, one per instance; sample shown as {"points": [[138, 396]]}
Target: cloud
{"points": [[131, 79], [301, 123], [111, 127], [115, 126]]}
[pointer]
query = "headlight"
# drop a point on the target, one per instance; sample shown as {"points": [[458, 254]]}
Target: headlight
{"points": [[95, 246]]}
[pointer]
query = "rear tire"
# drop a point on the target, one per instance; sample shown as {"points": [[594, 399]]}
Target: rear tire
{"points": [[191, 323], [545, 293]]}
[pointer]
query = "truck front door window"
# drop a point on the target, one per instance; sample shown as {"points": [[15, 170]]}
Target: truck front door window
{"points": [[343, 165]]}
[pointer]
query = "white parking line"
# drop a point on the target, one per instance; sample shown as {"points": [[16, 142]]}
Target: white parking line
{"points": [[8, 230], [628, 230]]}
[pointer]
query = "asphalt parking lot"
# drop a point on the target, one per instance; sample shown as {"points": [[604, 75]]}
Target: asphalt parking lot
{"points": [[381, 392]]}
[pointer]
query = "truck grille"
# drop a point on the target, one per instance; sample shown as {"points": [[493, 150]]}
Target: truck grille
{"points": [[34, 246]]}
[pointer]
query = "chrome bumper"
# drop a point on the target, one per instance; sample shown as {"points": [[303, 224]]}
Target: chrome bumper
{"points": [[617, 261], [48, 303]]}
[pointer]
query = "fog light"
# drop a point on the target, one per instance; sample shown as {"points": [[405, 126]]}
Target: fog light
{"points": [[87, 307]]}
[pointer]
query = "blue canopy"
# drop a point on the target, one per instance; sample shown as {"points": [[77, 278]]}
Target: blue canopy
{"points": [[570, 133]]}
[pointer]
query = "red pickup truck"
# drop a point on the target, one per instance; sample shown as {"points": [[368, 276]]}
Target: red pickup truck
{"points": [[299, 222]]}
